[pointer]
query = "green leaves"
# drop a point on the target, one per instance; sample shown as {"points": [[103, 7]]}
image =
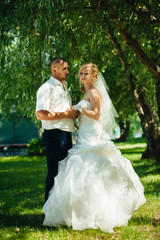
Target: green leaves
{"points": [[33, 32]]}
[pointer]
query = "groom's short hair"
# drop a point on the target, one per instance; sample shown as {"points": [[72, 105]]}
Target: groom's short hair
{"points": [[56, 60]]}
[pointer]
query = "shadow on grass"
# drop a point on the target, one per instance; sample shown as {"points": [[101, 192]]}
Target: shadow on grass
{"points": [[15, 220], [31, 221], [136, 221], [146, 167], [137, 150], [152, 188], [131, 141], [142, 167], [36, 221]]}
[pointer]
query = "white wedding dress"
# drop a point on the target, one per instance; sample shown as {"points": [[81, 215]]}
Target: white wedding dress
{"points": [[96, 187]]}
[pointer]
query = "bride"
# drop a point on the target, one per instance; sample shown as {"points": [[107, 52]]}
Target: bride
{"points": [[96, 187]]}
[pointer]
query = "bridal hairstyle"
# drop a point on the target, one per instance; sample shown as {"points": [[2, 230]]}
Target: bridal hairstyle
{"points": [[94, 70], [108, 112]]}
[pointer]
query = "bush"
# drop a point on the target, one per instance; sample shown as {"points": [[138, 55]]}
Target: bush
{"points": [[35, 147]]}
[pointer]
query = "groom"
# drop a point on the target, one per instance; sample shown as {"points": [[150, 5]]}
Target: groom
{"points": [[53, 108]]}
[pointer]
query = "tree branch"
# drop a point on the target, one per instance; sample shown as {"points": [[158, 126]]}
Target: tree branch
{"points": [[148, 62], [145, 15]]}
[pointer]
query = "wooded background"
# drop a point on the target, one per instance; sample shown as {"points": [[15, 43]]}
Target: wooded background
{"points": [[121, 36]]}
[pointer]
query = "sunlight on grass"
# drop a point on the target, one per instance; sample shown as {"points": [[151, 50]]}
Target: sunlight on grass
{"points": [[22, 198]]}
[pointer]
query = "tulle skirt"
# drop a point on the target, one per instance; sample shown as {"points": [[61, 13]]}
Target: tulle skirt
{"points": [[96, 187]]}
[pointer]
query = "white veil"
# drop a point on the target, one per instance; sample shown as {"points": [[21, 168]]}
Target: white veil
{"points": [[108, 112]]}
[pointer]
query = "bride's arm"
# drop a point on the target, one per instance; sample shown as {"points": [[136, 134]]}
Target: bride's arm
{"points": [[95, 101]]}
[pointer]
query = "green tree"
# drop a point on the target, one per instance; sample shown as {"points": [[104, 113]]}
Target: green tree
{"points": [[102, 32]]}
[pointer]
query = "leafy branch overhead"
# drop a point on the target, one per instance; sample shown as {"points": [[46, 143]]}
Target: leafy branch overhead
{"points": [[121, 37]]}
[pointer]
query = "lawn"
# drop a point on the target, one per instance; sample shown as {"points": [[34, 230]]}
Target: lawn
{"points": [[22, 197]]}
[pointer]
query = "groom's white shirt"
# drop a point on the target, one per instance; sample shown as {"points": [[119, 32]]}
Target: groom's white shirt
{"points": [[54, 96]]}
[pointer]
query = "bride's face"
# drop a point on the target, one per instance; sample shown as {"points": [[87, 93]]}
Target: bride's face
{"points": [[86, 76]]}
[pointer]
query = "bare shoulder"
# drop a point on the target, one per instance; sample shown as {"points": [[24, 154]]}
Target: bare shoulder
{"points": [[94, 92]]}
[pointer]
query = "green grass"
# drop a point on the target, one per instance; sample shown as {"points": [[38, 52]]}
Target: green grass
{"points": [[22, 196]]}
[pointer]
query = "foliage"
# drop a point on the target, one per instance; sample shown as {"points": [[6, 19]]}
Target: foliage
{"points": [[42, 29], [35, 147], [22, 198], [34, 32]]}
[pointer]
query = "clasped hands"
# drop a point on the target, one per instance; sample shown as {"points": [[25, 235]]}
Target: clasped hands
{"points": [[72, 112]]}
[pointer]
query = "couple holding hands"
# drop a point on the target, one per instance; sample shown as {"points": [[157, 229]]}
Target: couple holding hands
{"points": [[90, 184]]}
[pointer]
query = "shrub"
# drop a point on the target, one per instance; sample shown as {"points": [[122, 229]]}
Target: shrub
{"points": [[35, 147]]}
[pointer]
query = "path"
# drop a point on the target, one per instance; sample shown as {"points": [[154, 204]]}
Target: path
{"points": [[132, 145]]}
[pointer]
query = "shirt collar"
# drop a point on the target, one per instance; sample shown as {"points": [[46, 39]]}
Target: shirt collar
{"points": [[56, 82]]}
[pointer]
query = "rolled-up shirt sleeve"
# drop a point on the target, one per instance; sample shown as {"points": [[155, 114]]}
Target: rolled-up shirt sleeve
{"points": [[43, 98]]}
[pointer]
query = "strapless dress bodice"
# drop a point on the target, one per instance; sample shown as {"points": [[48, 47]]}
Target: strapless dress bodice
{"points": [[90, 130]]}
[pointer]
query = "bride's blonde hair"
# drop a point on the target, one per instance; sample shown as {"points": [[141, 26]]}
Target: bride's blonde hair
{"points": [[94, 71]]}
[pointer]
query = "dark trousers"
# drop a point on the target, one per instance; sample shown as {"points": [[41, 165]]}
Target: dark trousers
{"points": [[56, 143]]}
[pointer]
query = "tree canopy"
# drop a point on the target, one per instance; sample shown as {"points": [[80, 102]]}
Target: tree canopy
{"points": [[121, 37]]}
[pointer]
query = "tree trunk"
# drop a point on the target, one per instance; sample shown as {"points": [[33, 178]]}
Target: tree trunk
{"points": [[124, 131], [148, 122], [146, 112], [158, 96]]}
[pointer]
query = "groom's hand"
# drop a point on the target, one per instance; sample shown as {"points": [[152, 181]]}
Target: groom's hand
{"points": [[70, 113]]}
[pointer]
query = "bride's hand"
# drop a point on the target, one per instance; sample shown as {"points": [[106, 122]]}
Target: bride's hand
{"points": [[70, 113], [76, 107]]}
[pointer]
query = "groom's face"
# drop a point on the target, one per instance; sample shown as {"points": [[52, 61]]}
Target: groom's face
{"points": [[61, 71]]}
